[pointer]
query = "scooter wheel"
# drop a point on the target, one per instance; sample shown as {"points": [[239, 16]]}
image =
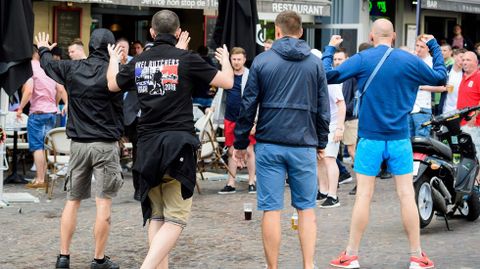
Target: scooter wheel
{"points": [[424, 199], [473, 203]]}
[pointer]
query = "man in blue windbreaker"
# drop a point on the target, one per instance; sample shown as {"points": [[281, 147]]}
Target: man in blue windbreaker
{"points": [[288, 85]]}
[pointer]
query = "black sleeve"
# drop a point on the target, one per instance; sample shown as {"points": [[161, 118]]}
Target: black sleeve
{"points": [[57, 70], [126, 77], [200, 69]]}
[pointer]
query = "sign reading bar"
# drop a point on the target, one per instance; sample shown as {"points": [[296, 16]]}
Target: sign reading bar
{"points": [[304, 7], [466, 6]]}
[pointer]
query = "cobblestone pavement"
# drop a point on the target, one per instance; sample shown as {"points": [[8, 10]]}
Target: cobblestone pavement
{"points": [[219, 237]]}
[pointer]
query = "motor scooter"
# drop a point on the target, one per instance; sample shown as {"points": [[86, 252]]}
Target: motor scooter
{"points": [[445, 169]]}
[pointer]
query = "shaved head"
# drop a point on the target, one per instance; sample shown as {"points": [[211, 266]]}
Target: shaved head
{"points": [[469, 62], [382, 32], [382, 28]]}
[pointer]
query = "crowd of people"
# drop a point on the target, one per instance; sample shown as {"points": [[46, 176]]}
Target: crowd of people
{"points": [[285, 119]]}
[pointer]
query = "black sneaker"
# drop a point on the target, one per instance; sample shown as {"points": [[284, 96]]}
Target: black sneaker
{"points": [[107, 264], [252, 188], [345, 178], [62, 262], [227, 190], [330, 203], [321, 197], [353, 191]]}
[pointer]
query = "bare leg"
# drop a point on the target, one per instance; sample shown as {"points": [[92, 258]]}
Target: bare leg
{"points": [[351, 151], [40, 164], [361, 211], [232, 166], [322, 176], [153, 227], [102, 226], [332, 174], [68, 223], [271, 231], [161, 244], [251, 165], [307, 231], [410, 219]]}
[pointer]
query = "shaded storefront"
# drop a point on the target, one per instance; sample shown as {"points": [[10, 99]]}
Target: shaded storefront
{"points": [[131, 18]]}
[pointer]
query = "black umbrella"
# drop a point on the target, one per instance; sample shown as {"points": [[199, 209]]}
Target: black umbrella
{"points": [[16, 39], [236, 25]]}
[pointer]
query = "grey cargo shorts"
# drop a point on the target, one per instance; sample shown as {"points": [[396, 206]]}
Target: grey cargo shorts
{"points": [[102, 159]]}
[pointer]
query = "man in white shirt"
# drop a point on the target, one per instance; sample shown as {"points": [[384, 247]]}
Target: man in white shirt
{"points": [[449, 98], [422, 109]]}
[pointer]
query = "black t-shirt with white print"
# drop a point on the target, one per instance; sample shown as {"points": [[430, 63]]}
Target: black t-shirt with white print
{"points": [[164, 78]]}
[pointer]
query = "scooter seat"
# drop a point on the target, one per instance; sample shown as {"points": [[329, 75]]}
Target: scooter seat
{"points": [[431, 146]]}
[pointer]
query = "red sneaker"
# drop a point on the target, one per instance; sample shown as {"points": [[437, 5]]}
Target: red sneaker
{"points": [[345, 261], [421, 263]]}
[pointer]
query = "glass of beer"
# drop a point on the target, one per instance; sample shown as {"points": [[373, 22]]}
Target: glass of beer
{"points": [[247, 209], [449, 88]]}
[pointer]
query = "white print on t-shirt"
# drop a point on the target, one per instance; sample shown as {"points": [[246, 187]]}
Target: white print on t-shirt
{"points": [[156, 77], [470, 83]]}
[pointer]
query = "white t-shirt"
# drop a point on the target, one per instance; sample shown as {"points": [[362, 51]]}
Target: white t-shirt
{"points": [[424, 98], [454, 78], [335, 94]]}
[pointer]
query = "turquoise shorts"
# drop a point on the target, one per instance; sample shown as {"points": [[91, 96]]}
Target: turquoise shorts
{"points": [[370, 154]]}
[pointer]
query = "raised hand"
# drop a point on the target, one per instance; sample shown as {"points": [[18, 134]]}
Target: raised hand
{"points": [[222, 55], [183, 40], [335, 41], [425, 38], [42, 41], [115, 52]]}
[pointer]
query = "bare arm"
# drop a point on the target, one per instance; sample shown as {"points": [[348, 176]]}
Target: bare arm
{"points": [[433, 88], [62, 94], [342, 110], [27, 90], [113, 67], [224, 78]]}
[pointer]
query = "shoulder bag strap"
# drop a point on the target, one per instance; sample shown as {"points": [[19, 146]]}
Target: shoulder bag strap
{"points": [[375, 71]]}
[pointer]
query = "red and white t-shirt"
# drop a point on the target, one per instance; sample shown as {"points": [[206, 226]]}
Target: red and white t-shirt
{"points": [[469, 93]]}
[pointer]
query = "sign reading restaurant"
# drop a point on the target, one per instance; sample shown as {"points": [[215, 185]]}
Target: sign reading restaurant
{"points": [[305, 7]]}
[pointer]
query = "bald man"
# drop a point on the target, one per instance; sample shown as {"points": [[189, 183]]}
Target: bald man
{"points": [[469, 95], [383, 128]]}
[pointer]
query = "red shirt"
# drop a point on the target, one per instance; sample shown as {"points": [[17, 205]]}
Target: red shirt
{"points": [[469, 93]]}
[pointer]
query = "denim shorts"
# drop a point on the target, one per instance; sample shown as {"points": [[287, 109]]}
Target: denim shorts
{"points": [[398, 155], [38, 126], [273, 162], [415, 121]]}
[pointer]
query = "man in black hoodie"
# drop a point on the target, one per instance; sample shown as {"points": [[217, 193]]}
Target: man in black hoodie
{"points": [[95, 125]]}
